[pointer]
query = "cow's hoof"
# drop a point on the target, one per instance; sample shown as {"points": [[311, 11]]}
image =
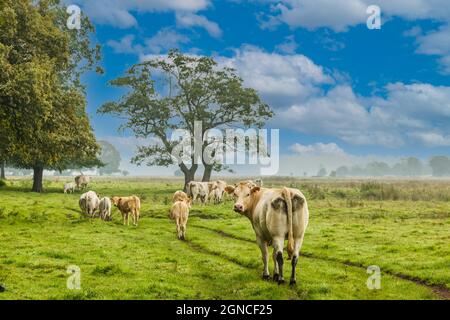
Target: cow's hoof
{"points": [[293, 282], [266, 276], [280, 281], [276, 276]]}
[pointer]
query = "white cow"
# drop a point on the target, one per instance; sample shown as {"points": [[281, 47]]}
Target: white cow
{"points": [[105, 208], [69, 187], [89, 203], [274, 213], [198, 190]]}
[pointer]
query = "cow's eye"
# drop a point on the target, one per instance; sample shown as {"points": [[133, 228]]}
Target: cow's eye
{"points": [[248, 195]]}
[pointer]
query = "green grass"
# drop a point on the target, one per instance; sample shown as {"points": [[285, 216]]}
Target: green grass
{"points": [[42, 234]]}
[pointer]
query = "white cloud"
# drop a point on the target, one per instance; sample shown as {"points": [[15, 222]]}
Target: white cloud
{"points": [[189, 20], [279, 78], [163, 40], [120, 14], [124, 45], [317, 149], [340, 15], [432, 139], [289, 46]]}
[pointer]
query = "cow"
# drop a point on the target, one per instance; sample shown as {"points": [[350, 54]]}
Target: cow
{"points": [[69, 187], [215, 195], [179, 196], [274, 214], [198, 190], [216, 189], [89, 203], [180, 213], [82, 181], [128, 205], [105, 208]]}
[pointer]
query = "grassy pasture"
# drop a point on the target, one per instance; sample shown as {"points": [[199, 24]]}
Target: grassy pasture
{"points": [[401, 226]]}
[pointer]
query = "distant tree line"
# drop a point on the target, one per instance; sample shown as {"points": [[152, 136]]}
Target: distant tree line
{"points": [[437, 166]]}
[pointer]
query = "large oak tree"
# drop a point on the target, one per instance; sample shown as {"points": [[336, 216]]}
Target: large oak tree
{"points": [[169, 93], [43, 120]]}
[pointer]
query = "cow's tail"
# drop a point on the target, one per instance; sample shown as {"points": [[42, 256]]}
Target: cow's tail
{"points": [[290, 246]]}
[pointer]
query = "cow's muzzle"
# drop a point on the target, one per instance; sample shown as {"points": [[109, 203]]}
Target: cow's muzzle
{"points": [[238, 208]]}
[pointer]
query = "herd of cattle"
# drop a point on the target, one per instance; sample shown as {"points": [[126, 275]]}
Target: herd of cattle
{"points": [[275, 214]]}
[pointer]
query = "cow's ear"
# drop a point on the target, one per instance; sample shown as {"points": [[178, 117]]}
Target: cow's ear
{"points": [[229, 189], [255, 189]]}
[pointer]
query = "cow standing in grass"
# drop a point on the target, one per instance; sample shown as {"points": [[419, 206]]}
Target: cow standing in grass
{"points": [[179, 196], [216, 189], [69, 187], [128, 205], [105, 208], [275, 214], [198, 190], [89, 203], [82, 181], [180, 213]]}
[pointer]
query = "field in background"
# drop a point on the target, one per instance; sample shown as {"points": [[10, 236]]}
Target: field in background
{"points": [[400, 226]]}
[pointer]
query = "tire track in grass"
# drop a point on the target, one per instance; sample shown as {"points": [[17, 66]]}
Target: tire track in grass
{"points": [[440, 290]]}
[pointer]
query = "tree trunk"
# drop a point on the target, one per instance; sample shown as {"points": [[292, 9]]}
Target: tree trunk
{"points": [[207, 173], [2, 169], [38, 173], [189, 174]]}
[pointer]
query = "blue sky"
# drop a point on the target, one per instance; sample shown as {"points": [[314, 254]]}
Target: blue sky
{"points": [[341, 92]]}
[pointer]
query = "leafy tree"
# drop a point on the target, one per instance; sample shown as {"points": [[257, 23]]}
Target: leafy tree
{"points": [[410, 166], [110, 157], [440, 166], [377, 169], [322, 172], [342, 171], [189, 89], [42, 101]]}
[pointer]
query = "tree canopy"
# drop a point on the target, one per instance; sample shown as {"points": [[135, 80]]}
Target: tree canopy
{"points": [[174, 92], [110, 157], [42, 102]]}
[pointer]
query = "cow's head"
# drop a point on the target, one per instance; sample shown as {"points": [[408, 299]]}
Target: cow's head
{"points": [[115, 201], [243, 193]]}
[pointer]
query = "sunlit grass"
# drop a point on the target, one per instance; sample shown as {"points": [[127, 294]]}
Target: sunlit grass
{"points": [[42, 234]]}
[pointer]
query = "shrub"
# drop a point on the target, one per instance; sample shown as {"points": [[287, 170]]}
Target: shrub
{"points": [[2, 183]]}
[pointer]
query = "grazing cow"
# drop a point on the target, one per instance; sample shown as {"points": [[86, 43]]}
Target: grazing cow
{"points": [[179, 196], [216, 190], [105, 208], [128, 205], [180, 213], [274, 214], [198, 190], [69, 187], [89, 203], [82, 181], [215, 195]]}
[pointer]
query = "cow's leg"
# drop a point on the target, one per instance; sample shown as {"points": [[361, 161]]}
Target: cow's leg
{"points": [[276, 272], [124, 215], [265, 257], [278, 244], [297, 245], [183, 231]]}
